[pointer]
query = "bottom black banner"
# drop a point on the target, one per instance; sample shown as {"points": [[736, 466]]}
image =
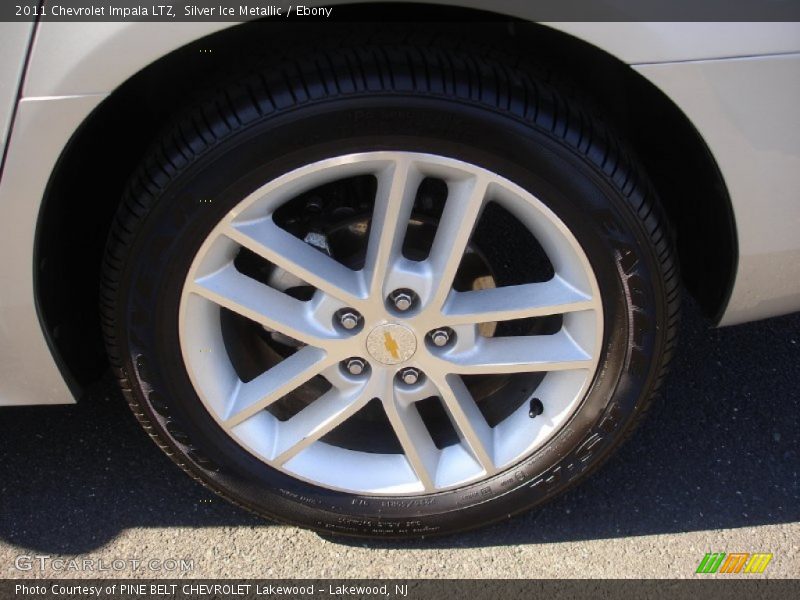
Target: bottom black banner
{"points": [[477, 589]]}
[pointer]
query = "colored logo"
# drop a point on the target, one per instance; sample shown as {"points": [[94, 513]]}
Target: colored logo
{"points": [[391, 345], [735, 562]]}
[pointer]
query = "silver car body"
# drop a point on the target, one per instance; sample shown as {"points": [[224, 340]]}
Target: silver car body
{"points": [[738, 83]]}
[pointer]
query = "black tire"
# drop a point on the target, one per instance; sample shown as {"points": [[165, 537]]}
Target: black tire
{"points": [[436, 98]]}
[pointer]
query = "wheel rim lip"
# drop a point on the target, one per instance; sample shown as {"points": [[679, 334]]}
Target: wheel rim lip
{"points": [[279, 190]]}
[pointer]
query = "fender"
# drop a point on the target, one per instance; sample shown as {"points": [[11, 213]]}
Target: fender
{"points": [[98, 57]]}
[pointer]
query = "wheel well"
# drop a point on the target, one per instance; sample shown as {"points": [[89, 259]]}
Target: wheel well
{"points": [[87, 183]]}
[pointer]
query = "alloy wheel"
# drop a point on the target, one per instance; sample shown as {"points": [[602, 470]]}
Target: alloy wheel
{"points": [[388, 329]]}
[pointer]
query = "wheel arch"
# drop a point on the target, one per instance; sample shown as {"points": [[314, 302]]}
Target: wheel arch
{"points": [[94, 166]]}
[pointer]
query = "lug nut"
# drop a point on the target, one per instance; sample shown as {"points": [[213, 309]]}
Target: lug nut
{"points": [[441, 337], [355, 366], [402, 299], [410, 376], [349, 319]]}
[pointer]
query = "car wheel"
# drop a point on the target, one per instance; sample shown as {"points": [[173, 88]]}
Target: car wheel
{"points": [[390, 290]]}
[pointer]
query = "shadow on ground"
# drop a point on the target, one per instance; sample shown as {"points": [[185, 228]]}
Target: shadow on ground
{"points": [[718, 451]]}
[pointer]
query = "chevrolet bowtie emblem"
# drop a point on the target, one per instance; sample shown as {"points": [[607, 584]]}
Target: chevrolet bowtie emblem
{"points": [[391, 345]]}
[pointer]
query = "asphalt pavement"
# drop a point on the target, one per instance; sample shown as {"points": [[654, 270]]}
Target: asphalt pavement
{"points": [[713, 469]]}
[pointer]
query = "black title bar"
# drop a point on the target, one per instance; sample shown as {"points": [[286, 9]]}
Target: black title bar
{"points": [[351, 10]]}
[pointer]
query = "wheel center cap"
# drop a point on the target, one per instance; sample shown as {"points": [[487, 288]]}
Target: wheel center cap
{"points": [[391, 343]]}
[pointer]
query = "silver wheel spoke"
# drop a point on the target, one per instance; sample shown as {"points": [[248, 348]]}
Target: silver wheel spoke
{"points": [[462, 209], [467, 420], [557, 352], [313, 266], [245, 296], [394, 199], [317, 419], [257, 394], [413, 435], [551, 297]]}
